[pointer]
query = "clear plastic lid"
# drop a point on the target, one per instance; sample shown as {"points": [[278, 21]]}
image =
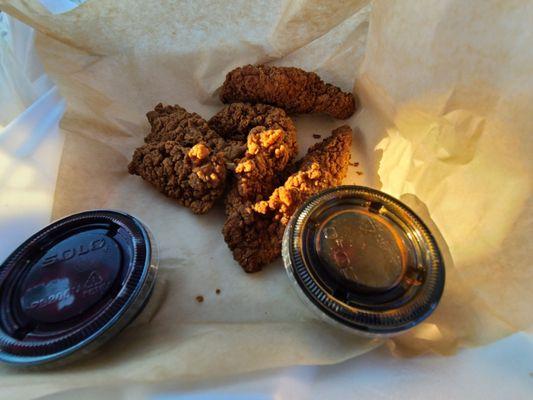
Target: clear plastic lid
{"points": [[364, 260], [74, 285]]}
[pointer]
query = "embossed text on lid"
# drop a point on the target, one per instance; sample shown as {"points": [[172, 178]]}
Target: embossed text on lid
{"points": [[72, 286]]}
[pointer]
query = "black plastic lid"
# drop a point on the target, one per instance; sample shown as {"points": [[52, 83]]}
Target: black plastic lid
{"points": [[363, 259], [72, 286]]}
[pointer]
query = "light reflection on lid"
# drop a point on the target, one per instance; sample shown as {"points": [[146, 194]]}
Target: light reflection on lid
{"points": [[363, 260]]}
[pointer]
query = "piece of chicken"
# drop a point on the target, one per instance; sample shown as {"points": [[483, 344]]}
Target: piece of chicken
{"points": [[293, 89], [254, 230], [184, 158], [235, 120], [175, 123], [268, 153], [194, 176], [325, 165], [257, 174]]}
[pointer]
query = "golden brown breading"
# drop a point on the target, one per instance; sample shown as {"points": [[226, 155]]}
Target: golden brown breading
{"points": [[246, 232], [268, 154], [194, 176], [235, 120], [293, 89], [254, 231], [324, 166]]}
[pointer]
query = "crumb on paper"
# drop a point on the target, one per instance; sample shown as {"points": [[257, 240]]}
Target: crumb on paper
{"points": [[200, 299], [358, 172], [317, 136], [354, 163], [217, 291]]}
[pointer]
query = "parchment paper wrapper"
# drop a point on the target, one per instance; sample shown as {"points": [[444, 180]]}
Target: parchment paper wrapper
{"points": [[446, 89]]}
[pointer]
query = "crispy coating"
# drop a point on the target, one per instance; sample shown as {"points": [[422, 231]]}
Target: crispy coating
{"points": [[175, 123], [253, 238], [246, 232], [235, 120], [233, 151], [293, 89], [194, 176], [324, 166], [184, 158], [253, 231], [268, 153]]}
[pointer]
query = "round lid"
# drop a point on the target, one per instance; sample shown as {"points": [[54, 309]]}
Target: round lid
{"points": [[73, 285], [364, 259]]}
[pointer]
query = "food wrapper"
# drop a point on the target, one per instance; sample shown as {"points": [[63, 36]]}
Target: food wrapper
{"points": [[446, 95]]}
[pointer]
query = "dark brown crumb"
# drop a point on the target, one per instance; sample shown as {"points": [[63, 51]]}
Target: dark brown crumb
{"points": [[217, 291], [254, 231], [293, 89], [200, 299], [317, 136], [194, 176], [358, 172], [354, 164]]}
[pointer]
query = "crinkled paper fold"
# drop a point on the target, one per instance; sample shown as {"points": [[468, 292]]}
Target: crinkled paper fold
{"points": [[446, 93]]}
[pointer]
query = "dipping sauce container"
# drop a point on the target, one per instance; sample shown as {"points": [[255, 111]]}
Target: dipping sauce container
{"points": [[73, 286], [363, 261]]}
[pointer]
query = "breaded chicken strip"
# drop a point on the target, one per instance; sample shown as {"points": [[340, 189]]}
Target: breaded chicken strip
{"points": [[194, 176], [254, 231], [256, 175], [324, 166], [252, 237], [175, 123], [235, 120], [184, 158], [292, 89], [268, 153]]}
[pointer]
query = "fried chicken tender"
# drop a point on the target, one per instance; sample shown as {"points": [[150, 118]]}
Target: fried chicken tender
{"points": [[235, 120], [324, 166], [268, 153], [194, 176], [256, 175], [175, 123], [254, 230], [184, 158], [252, 237], [293, 89]]}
